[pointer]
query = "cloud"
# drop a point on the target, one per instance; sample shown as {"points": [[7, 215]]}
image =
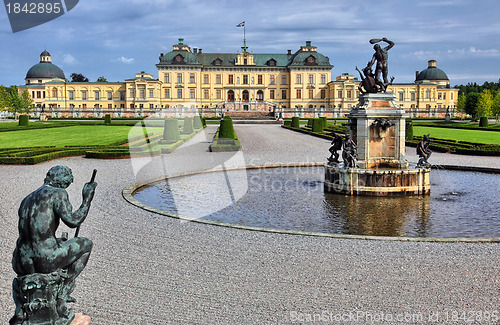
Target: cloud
{"points": [[69, 59], [472, 52], [125, 60]]}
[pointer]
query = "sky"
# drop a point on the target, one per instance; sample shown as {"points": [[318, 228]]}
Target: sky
{"points": [[117, 39]]}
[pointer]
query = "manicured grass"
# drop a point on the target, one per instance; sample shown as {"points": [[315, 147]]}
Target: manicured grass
{"points": [[458, 134], [70, 136]]}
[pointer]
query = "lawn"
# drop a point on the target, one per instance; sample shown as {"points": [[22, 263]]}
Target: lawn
{"points": [[486, 137], [70, 136]]}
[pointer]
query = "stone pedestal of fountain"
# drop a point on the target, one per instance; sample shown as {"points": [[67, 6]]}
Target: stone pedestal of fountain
{"points": [[377, 126]]}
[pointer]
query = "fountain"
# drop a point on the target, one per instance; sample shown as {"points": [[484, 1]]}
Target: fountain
{"points": [[374, 151]]}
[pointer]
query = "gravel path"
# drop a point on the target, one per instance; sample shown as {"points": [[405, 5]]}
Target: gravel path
{"points": [[150, 269]]}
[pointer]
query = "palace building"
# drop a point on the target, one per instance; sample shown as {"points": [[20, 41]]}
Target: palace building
{"points": [[292, 83]]}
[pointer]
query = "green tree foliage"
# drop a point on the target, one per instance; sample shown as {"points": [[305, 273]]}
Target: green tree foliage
{"points": [[78, 77], [471, 104], [495, 107], [14, 101], [461, 102], [484, 103], [102, 79]]}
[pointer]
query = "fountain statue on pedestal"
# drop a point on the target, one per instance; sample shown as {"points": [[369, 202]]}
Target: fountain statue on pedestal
{"points": [[424, 152], [47, 266], [374, 150]]}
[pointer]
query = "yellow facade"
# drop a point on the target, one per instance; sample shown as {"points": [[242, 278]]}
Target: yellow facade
{"points": [[241, 81]]}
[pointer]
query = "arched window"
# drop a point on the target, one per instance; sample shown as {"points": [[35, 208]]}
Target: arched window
{"points": [[260, 95], [54, 92], [230, 96], [246, 96]]}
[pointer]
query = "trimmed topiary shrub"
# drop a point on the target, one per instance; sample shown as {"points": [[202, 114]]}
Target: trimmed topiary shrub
{"points": [[23, 120], [409, 129], [309, 122], [295, 122], [287, 123], [226, 129], [197, 123], [188, 126], [317, 125], [483, 121], [204, 121], [171, 132], [324, 120], [107, 119]]}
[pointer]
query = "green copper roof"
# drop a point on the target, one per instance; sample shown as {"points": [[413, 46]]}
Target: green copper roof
{"points": [[45, 70], [432, 73]]}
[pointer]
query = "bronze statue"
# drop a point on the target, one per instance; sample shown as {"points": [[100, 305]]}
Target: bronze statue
{"points": [[47, 266], [424, 152], [367, 84], [336, 145], [349, 154], [380, 57]]}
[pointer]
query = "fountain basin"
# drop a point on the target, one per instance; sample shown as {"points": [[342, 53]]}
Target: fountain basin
{"points": [[377, 182]]}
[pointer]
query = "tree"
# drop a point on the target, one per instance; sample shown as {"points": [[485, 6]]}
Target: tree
{"points": [[484, 103], [4, 97], [78, 77], [19, 102], [461, 102], [495, 107], [471, 104], [101, 79]]}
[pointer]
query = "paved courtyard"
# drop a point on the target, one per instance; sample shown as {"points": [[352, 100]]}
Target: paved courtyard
{"points": [[150, 269]]}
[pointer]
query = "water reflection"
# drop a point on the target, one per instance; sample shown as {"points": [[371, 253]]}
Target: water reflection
{"points": [[460, 204]]}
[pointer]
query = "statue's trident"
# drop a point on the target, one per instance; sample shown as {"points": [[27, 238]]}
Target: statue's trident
{"points": [[91, 181]]}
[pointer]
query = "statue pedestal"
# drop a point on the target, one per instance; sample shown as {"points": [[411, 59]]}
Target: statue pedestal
{"points": [[378, 129], [41, 300], [377, 126]]}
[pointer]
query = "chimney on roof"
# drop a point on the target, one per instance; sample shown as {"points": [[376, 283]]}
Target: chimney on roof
{"points": [[199, 51], [195, 50], [289, 52]]}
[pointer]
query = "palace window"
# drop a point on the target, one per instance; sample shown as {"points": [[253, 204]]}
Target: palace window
{"points": [[179, 93], [440, 96], [166, 78], [299, 93], [179, 78], [84, 95], [192, 94], [299, 79], [339, 93], [71, 95], [230, 79], [110, 95], [311, 94], [151, 93], [323, 79], [205, 78], [271, 94], [151, 106], [191, 78], [283, 79], [272, 81], [259, 79], [142, 93], [206, 94], [283, 94], [245, 79], [323, 93], [412, 96], [401, 96], [349, 94], [97, 94], [54, 92], [311, 78], [167, 93], [84, 105], [218, 94], [110, 105], [218, 79]]}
